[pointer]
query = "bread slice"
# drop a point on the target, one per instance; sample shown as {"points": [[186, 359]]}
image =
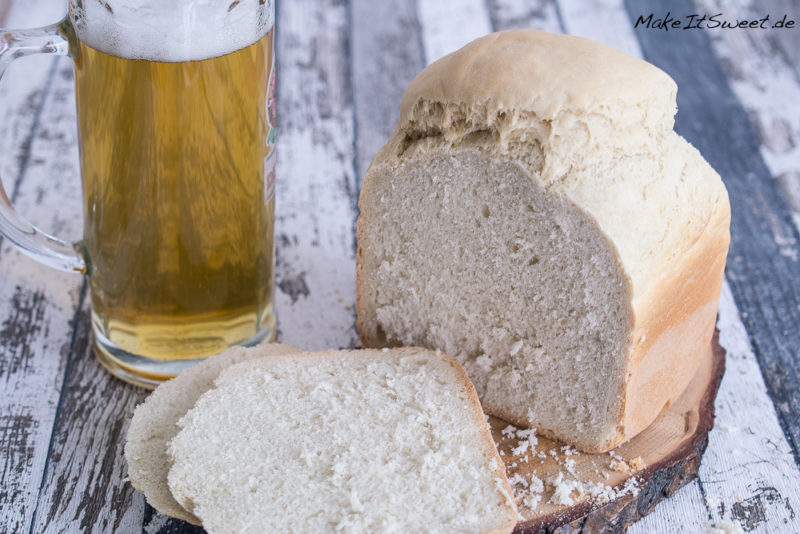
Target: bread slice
{"points": [[535, 215], [341, 441], [154, 424]]}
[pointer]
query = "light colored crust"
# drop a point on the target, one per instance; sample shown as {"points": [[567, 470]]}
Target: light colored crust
{"points": [[473, 404], [154, 423], [675, 320], [545, 75], [604, 123]]}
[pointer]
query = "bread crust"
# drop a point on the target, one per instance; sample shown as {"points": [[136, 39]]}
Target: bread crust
{"points": [[674, 325], [601, 120]]}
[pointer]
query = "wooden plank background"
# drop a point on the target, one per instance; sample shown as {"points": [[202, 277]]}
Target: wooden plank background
{"points": [[342, 67]]}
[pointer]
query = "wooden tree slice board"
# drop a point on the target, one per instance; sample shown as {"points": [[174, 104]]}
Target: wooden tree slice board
{"points": [[622, 486]]}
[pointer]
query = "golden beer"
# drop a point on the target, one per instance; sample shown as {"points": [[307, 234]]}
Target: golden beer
{"points": [[178, 172]]}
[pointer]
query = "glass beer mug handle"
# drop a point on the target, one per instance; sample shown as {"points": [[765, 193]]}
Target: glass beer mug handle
{"points": [[37, 244]]}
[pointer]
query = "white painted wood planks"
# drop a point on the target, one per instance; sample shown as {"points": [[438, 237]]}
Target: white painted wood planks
{"points": [[533, 14], [316, 188], [85, 486], [448, 25], [768, 88], [384, 58], [37, 304]]}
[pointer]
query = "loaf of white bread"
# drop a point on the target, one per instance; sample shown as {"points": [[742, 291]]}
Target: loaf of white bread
{"points": [[336, 441], [535, 215]]}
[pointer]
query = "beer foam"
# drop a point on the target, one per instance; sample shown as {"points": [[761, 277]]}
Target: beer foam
{"points": [[170, 30]]}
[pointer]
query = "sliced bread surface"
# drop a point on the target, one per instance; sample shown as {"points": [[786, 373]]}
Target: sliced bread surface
{"points": [[535, 215], [342, 441], [154, 424]]}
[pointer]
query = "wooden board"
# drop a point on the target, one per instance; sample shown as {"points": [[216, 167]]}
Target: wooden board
{"points": [[623, 485]]}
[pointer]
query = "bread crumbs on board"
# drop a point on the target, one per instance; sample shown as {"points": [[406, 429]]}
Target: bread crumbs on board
{"points": [[565, 487], [567, 491]]}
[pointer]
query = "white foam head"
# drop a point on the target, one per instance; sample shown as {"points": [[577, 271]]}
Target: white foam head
{"points": [[171, 30]]}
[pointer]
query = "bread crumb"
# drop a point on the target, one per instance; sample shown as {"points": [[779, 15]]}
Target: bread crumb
{"points": [[569, 451], [637, 463], [565, 492], [631, 487], [526, 440], [620, 466], [508, 431], [527, 493], [569, 463], [562, 490]]}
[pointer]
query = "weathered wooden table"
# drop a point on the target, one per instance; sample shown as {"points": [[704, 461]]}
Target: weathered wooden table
{"points": [[342, 67]]}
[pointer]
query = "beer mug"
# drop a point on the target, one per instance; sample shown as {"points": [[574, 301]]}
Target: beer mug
{"points": [[176, 117]]}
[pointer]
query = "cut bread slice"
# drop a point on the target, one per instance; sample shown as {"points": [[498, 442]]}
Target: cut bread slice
{"points": [[535, 215], [154, 424], [342, 441]]}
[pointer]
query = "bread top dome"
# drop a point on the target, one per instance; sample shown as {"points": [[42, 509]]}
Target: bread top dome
{"points": [[545, 74]]}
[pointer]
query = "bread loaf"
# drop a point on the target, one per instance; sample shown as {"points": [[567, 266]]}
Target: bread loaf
{"points": [[155, 423], [535, 215], [341, 441]]}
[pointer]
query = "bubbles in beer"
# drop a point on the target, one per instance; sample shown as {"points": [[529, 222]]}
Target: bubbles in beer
{"points": [[170, 30]]}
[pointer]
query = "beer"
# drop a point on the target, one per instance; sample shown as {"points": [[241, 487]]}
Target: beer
{"points": [[176, 116], [178, 172]]}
